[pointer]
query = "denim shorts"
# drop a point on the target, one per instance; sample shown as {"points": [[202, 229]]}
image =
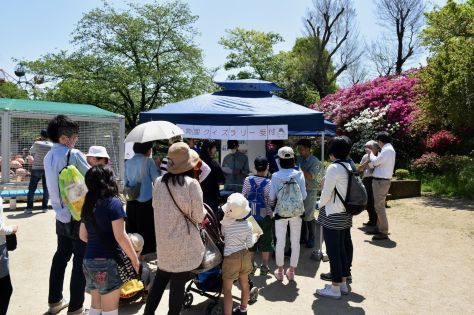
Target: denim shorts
{"points": [[102, 275]]}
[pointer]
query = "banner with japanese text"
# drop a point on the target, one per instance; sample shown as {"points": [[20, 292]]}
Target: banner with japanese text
{"points": [[263, 132]]}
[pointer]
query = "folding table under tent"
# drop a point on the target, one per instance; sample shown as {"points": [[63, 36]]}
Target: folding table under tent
{"points": [[244, 103]]}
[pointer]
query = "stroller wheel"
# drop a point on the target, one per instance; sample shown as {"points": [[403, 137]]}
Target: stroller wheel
{"points": [[215, 309], [253, 295], [188, 300]]}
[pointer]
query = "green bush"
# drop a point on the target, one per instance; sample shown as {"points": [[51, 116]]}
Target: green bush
{"points": [[402, 173], [454, 184]]}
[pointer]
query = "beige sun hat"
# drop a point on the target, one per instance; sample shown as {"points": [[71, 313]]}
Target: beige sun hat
{"points": [[181, 158], [236, 208]]}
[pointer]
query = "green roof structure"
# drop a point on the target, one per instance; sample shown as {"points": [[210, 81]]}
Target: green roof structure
{"points": [[54, 108]]}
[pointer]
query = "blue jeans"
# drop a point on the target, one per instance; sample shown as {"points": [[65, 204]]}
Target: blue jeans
{"points": [[336, 249], [102, 275], [36, 176]]}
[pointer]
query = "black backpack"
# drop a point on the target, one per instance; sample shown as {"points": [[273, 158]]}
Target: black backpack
{"points": [[356, 196]]}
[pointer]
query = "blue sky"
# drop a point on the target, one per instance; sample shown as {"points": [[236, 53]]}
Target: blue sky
{"points": [[31, 28]]}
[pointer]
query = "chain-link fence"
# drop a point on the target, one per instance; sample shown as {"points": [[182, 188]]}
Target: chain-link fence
{"points": [[24, 131]]}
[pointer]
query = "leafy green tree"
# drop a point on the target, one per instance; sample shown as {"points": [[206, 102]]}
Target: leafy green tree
{"points": [[129, 61], [251, 52], [448, 78], [11, 90]]}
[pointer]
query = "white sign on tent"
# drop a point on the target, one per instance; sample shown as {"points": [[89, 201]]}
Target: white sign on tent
{"points": [[260, 132]]}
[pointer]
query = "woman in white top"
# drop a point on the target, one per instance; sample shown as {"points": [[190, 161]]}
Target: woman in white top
{"points": [[334, 219], [5, 282], [371, 148], [287, 172]]}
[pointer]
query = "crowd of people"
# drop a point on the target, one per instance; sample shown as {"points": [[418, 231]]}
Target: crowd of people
{"points": [[165, 203]]}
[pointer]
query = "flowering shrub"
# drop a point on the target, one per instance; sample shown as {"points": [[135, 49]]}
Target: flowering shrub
{"points": [[365, 126], [428, 163], [441, 142], [397, 92], [432, 163]]}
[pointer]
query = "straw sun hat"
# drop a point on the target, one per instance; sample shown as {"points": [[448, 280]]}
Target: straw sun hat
{"points": [[181, 158]]}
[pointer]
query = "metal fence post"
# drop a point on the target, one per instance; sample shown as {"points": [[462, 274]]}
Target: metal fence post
{"points": [[5, 150]]}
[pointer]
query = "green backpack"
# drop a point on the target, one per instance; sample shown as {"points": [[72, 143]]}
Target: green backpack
{"points": [[72, 189]]}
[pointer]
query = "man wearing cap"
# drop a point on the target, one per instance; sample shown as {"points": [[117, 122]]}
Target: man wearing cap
{"points": [[235, 167], [38, 150], [312, 169]]}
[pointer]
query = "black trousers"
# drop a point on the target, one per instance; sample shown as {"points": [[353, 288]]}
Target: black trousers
{"points": [[336, 250], [69, 244], [367, 181], [6, 291], [141, 220], [349, 248], [176, 297]]}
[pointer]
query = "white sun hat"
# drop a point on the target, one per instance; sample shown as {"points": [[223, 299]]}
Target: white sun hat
{"points": [[98, 151], [236, 208]]}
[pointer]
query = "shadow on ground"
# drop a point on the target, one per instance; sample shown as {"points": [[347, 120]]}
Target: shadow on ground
{"points": [[322, 305], [455, 204]]}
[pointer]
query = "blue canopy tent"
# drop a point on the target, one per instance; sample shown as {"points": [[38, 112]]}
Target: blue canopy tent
{"points": [[244, 103]]}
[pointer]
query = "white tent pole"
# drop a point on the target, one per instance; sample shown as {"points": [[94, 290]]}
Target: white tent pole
{"points": [[322, 146], [5, 150]]}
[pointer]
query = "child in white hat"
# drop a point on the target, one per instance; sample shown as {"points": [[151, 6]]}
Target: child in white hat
{"points": [[97, 155], [238, 238]]}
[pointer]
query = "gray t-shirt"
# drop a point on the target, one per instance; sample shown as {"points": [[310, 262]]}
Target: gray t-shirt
{"points": [[39, 150]]}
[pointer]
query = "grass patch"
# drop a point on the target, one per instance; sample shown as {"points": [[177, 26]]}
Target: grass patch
{"points": [[451, 186]]}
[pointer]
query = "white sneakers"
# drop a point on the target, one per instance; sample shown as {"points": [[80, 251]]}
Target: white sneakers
{"points": [[57, 307], [333, 292]]}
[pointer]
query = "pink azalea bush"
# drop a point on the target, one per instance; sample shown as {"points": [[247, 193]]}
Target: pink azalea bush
{"points": [[442, 141], [383, 104], [398, 92]]}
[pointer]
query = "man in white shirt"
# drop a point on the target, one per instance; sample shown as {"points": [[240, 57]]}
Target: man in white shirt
{"points": [[383, 166]]}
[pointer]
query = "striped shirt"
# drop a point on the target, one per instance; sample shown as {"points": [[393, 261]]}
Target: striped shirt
{"points": [[237, 236], [39, 150], [266, 190], [336, 221]]}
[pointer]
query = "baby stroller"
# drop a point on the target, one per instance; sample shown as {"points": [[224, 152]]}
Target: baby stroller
{"points": [[209, 283]]}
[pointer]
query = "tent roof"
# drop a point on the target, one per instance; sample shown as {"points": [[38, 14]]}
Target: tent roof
{"points": [[242, 108], [55, 108]]}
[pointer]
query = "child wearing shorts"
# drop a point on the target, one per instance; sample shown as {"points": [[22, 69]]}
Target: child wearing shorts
{"points": [[257, 191], [238, 238]]}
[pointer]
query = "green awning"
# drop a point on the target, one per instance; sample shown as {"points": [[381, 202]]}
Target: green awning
{"points": [[54, 108]]}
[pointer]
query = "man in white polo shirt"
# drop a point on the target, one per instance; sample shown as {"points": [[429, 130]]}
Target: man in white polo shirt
{"points": [[383, 166]]}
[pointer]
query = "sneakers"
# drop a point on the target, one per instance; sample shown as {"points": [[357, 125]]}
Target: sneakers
{"points": [[238, 311], [290, 274], [55, 308], [379, 237], [327, 277], [330, 291], [278, 274], [81, 311], [28, 211], [44, 210], [344, 288], [254, 268], [264, 270]]}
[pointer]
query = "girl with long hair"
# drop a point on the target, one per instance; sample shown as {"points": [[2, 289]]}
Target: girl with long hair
{"points": [[103, 229]]}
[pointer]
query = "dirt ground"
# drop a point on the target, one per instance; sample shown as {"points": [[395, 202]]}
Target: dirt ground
{"points": [[425, 268]]}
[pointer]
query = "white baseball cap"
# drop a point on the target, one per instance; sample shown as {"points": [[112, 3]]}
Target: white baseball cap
{"points": [[137, 241], [98, 151], [286, 153]]}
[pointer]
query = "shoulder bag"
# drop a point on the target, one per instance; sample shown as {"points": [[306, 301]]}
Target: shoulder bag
{"points": [[212, 255], [132, 193]]}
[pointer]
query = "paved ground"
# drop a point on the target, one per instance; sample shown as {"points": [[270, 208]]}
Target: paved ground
{"points": [[425, 268]]}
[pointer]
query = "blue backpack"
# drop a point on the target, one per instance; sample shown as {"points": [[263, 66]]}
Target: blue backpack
{"points": [[256, 198]]}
